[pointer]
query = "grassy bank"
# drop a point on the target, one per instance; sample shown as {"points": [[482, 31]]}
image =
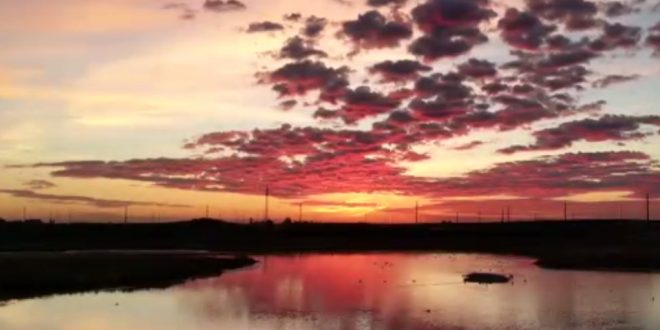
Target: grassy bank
{"points": [[32, 274]]}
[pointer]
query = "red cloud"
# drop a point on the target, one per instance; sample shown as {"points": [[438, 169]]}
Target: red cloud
{"points": [[574, 14], [346, 171], [608, 127], [265, 26], [362, 102], [300, 77], [523, 29], [400, 70], [438, 14], [223, 6], [74, 199], [296, 48], [373, 30], [617, 35]]}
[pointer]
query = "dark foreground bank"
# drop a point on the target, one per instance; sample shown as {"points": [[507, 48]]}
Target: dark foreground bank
{"points": [[33, 274], [610, 245]]}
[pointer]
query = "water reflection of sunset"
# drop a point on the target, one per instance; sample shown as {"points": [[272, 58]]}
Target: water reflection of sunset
{"points": [[361, 291], [405, 291]]}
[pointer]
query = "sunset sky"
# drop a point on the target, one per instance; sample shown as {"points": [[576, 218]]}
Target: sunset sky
{"points": [[357, 109]]}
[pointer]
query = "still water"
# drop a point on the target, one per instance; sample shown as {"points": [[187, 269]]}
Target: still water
{"points": [[362, 291]]}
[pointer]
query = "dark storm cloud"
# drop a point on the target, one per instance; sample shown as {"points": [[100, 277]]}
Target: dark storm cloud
{"points": [[300, 77], [373, 30], [380, 3], [574, 14], [296, 48], [265, 26], [617, 36], [294, 17], [579, 172], [288, 104], [653, 38], [326, 114], [517, 112], [613, 79], [495, 87], [362, 102], [566, 58], [74, 199], [523, 29], [444, 43], [185, 11], [39, 184], [451, 27], [469, 145], [434, 14], [606, 128], [448, 87], [569, 77], [477, 69], [314, 26], [618, 8], [399, 70], [223, 6], [438, 109]]}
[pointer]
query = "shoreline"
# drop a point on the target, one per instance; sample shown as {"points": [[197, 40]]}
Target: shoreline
{"points": [[70, 272], [89, 257], [27, 275]]}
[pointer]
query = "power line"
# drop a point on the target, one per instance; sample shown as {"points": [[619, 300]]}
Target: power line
{"points": [[266, 203]]}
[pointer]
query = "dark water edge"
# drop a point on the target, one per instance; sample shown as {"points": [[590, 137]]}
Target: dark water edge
{"points": [[623, 245], [37, 274]]}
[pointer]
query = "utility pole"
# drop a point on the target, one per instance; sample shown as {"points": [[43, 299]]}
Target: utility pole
{"points": [[648, 207], [266, 204], [416, 212]]}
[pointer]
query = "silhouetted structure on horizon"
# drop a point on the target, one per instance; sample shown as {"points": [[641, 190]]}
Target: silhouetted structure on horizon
{"points": [[266, 204]]}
